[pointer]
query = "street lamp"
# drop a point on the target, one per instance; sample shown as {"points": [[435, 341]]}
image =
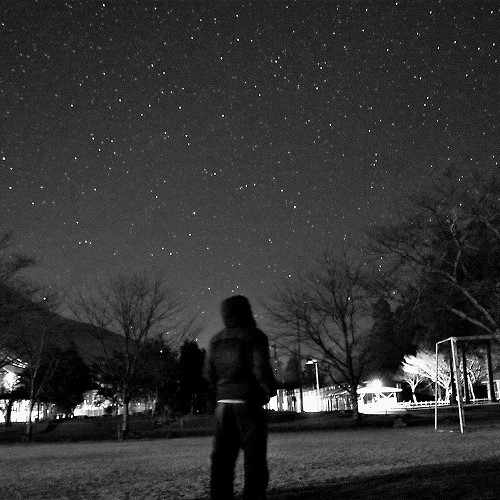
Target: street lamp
{"points": [[315, 363]]}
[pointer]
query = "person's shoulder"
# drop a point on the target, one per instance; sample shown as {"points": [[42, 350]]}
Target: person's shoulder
{"points": [[252, 332], [259, 333], [218, 336], [227, 334], [242, 333], [259, 337]]}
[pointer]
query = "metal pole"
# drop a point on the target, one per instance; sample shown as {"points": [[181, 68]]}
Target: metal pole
{"points": [[300, 369], [436, 390], [317, 386], [491, 387]]}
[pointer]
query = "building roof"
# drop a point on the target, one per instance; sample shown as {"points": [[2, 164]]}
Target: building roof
{"points": [[378, 390]]}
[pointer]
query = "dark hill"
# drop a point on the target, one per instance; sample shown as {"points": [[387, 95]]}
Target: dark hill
{"points": [[90, 341], [25, 321]]}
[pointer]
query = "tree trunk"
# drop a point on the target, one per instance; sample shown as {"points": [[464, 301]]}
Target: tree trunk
{"points": [[124, 427], [453, 389], [465, 374], [8, 413], [29, 423], [154, 404], [354, 402], [471, 389], [447, 396]]}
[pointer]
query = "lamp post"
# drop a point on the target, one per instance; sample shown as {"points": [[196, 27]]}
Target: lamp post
{"points": [[300, 368], [315, 363]]}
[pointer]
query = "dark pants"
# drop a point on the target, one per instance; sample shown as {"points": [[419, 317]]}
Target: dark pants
{"points": [[239, 425]]}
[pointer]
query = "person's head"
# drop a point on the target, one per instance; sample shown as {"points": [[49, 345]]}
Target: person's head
{"points": [[236, 311]]}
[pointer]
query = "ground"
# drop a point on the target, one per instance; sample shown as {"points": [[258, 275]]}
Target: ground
{"points": [[468, 481], [310, 457]]}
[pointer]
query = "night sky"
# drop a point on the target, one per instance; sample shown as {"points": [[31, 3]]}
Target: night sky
{"points": [[225, 143]]}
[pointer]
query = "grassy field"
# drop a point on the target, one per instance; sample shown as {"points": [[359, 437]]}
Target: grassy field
{"points": [[389, 463]]}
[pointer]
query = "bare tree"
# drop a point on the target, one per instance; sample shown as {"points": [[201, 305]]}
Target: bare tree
{"points": [[422, 366], [139, 308], [476, 367], [412, 377], [446, 242], [37, 351], [27, 325], [187, 330], [329, 309], [29, 339], [412, 374]]}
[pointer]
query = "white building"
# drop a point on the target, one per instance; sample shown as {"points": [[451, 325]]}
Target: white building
{"points": [[372, 399]]}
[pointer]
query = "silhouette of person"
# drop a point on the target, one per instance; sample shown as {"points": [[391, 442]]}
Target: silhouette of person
{"points": [[239, 369]]}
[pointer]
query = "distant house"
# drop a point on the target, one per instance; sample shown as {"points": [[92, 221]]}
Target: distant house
{"points": [[378, 399], [330, 398], [371, 400]]}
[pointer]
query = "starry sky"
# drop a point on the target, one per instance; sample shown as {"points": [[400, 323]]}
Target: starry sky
{"points": [[226, 143]]}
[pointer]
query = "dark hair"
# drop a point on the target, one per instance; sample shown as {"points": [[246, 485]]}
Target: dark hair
{"points": [[236, 311]]}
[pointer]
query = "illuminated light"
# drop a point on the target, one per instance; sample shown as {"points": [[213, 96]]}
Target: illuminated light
{"points": [[10, 380]]}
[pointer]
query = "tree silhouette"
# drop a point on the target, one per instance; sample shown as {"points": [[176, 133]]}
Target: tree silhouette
{"points": [[68, 383], [139, 307], [193, 389], [445, 243], [329, 307]]}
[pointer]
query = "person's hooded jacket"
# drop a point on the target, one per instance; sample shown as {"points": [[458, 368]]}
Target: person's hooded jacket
{"points": [[239, 366]]}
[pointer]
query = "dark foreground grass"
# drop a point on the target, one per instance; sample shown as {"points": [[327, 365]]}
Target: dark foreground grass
{"points": [[369, 463], [468, 481]]}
